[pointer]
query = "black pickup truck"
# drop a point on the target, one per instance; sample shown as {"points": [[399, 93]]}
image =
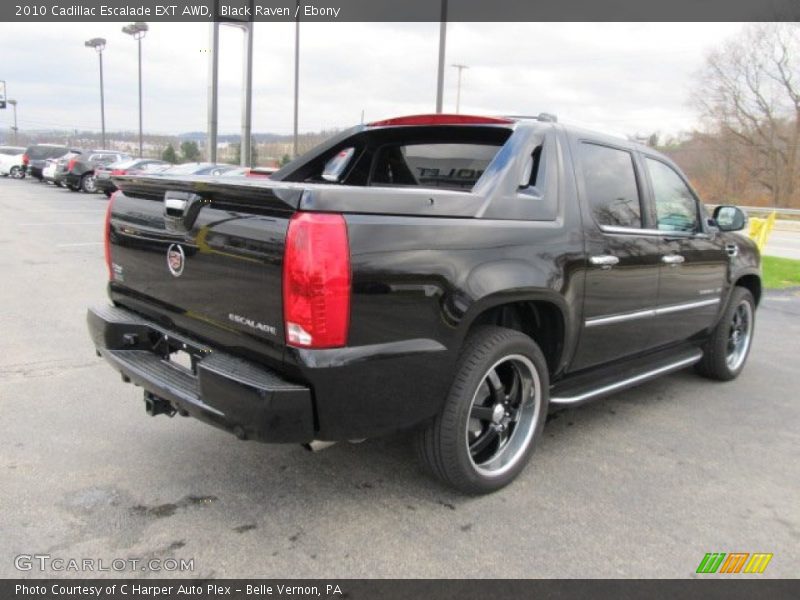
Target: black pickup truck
{"points": [[452, 274]]}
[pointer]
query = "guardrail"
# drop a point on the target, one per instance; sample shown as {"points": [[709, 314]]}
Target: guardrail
{"points": [[793, 212]]}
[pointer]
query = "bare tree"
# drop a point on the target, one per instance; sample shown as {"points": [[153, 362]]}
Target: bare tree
{"points": [[749, 93]]}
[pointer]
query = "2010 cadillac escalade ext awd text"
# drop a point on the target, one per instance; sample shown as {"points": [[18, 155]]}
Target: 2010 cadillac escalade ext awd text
{"points": [[449, 273]]}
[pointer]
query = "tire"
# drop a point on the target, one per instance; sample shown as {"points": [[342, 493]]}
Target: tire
{"points": [[488, 426], [107, 193], [16, 173], [726, 351], [88, 183]]}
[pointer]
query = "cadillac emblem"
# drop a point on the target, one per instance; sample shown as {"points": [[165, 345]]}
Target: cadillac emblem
{"points": [[175, 260]]}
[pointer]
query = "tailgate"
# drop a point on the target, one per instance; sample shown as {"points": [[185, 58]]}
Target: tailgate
{"points": [[207, 254]]}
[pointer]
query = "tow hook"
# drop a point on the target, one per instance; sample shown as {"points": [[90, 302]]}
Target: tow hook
{"points": [[154, 406]]}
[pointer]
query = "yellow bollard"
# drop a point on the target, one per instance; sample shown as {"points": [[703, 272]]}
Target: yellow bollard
{"points": [[760, 230]]}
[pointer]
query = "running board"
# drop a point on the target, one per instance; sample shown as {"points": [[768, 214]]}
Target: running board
{"points": [[580, 394]]}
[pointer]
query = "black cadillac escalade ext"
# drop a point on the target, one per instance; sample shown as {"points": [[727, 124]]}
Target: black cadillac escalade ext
{"points": [[448, 273]]}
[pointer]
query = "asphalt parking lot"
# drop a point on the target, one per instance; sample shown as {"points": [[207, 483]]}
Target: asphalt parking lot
{"points": [[641, 484]]}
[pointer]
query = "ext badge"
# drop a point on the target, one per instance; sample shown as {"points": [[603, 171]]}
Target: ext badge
{"points": [[175, 260]]}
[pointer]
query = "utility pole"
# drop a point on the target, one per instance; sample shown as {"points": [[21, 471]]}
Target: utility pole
{"points": [[213, 79], [15, 129], [458, 89]]}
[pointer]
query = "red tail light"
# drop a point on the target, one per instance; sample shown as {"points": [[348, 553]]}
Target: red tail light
{"points": [[107, 236], [118, 172], [439, 119], [71, 164], [26, 159], [316, 281]]}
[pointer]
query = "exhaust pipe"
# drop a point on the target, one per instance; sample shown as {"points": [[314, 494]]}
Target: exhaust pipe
{"points": [[317, 445]]}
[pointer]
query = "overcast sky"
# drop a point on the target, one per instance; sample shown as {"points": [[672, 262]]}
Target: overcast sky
{"points": [[624, 78]]}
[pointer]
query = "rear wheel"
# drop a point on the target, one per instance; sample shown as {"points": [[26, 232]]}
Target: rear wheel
{"points": [[493, 414], [725, 353], [16, 173], [88, 183]]}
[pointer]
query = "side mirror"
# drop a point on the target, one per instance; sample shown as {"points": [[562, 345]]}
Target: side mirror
{"points": [[335, 167], [730, 218]]}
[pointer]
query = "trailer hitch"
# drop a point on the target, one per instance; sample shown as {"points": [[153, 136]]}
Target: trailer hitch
{"points": [[154, 406]]}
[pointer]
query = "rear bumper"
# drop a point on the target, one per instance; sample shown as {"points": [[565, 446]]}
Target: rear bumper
{"points": [[239, 396]]}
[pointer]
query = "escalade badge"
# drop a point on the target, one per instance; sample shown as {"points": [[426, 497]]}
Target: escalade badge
{"points": [[175, 260]]}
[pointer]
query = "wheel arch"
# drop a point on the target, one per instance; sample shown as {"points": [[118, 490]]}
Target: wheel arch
{"points": [[752, 282], [543, 317]]}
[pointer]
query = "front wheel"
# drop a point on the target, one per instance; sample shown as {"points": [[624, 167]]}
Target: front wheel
{"points": [[493, 414], [726, 351], [16, 173], [88, 183]]}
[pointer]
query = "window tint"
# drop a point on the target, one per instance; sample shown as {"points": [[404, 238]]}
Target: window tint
{"points": [[611, 185], [676, 208], [452, 166]]}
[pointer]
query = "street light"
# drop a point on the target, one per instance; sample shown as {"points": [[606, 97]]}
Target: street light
{"points": [[14, 129], [99, 44], [137, 31], [458, 89]]}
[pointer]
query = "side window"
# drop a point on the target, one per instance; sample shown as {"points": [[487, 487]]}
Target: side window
{"points": [[611, 187], [676, 207]]}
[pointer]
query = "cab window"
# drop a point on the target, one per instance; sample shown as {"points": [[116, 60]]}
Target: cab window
{"points": [[610, 181], [676, 206]]}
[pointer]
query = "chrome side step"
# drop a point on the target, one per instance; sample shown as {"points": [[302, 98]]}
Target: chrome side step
{"points": [[628, 382]]}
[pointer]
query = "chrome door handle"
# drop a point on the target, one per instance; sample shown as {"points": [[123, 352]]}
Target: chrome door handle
{"points": [[605, 261], [672, 259]]}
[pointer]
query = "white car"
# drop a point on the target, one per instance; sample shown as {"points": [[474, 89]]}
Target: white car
{"points": [[11, 162]]}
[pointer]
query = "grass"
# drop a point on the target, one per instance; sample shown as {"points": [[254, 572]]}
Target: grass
{"points": [[780, 272]]}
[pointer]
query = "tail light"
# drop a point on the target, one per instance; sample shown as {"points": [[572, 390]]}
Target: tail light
{"points": [[316, 281], [71, 164], [118, 172], [107, 236], [26, 159]]}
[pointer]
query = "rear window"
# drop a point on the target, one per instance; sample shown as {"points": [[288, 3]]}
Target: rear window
{"points": [[41, 152], [11, 151], [441, 165]]}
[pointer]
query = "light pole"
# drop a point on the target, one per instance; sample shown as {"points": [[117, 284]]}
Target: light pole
{"points": [[137, 31], [99, 44], [458, 89], [14, 129], [442, 44], [296, 81]]}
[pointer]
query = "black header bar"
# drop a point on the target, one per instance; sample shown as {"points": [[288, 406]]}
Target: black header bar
{"points": [[398, 10]]}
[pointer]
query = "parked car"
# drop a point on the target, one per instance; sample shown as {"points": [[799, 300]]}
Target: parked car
{"points": [[259, 172], [102, 174], [453, 274], [11, 162], [79, 171], [54, 169], [211, 169], [35, 156]]}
